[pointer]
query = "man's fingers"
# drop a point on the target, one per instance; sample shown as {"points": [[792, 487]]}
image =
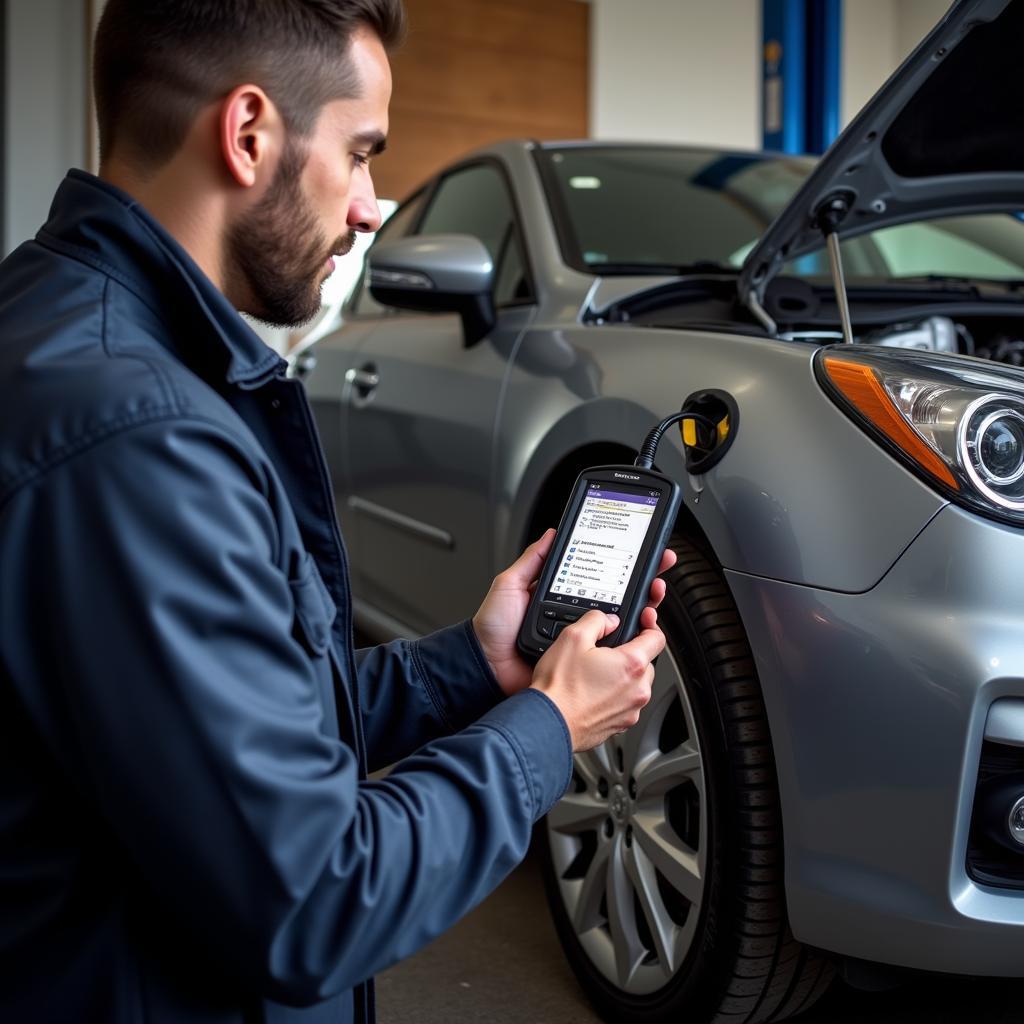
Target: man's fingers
{"points": [[647, 644], [592, 627], [658, 588], [648, 618]]}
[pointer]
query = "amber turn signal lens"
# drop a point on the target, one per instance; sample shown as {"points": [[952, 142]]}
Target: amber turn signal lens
{"points": [[859, 385]]}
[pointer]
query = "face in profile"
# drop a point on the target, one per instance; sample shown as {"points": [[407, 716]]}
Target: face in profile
{"points": [[282, 251], [321, 194]]}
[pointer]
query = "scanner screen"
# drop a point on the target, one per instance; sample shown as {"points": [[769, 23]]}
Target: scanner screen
{"points": [[595, 567]]}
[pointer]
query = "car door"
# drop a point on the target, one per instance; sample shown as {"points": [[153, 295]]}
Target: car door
{"points": [[420, 409]]}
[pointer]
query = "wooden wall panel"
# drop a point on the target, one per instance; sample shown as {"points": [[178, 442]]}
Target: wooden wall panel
{"points": [[475, 71]]}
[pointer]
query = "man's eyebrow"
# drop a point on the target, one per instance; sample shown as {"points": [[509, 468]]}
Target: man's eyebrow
{"points": [[376, 142]]}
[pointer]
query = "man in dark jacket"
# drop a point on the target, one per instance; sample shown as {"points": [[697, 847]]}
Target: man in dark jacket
{"points": [[187, 831]]}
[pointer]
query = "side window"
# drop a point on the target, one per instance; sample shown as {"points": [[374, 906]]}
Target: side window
{"points": [[475, 201], [397, 225]]}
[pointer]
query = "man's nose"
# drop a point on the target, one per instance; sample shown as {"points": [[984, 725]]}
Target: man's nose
{"points": [[363, 210]]}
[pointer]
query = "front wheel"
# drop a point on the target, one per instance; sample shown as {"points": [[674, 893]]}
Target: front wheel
{"points": [[663, 862]]}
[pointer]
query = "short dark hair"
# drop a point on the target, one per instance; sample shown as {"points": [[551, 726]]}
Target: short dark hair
{"points": [[158, 62]]}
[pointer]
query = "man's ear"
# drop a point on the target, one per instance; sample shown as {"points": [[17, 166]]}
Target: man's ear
{"points": [[250, 130]]}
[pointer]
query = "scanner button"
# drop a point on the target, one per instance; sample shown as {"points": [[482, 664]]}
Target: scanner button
{"points": [[569, 616], [559, 626]]}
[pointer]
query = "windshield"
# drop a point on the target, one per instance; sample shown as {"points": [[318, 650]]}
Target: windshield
{"points": [[635, 209]]}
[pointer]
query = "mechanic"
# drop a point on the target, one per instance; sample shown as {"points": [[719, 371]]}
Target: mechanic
{"points": [[187, 830]]}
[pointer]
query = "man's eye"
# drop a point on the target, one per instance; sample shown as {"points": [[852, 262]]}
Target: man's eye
{"points": [[360, 159]]}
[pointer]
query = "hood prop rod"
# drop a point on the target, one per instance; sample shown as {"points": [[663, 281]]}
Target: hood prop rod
{"points": [[829, 216], [762, 314]]}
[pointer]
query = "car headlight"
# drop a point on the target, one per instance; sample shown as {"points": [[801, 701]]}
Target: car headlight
{"points": [[959, 424]]}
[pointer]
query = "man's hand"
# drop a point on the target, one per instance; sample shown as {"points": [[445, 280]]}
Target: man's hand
{"points": [[599, 690], [497, 622], [501, 614]]}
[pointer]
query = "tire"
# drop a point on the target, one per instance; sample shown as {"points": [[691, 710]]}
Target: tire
{"points": [[663, 863]]}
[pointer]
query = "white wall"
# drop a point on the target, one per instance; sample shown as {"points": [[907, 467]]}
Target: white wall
{"points": [[877, 36], [869, 52], [914, 20], [44, 108], [690, 70], [676, 70]]}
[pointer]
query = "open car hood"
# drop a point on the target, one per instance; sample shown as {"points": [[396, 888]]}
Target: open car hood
{"points": [[943, 136]]}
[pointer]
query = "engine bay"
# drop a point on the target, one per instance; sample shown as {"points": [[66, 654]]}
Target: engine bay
{"points": [[976, 319], [998, 339]]}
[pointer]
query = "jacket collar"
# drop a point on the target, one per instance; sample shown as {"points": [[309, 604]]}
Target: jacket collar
{"points": [[99, 224]]}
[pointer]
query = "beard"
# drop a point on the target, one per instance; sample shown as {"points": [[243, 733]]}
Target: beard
{"points": [[276, 254]]}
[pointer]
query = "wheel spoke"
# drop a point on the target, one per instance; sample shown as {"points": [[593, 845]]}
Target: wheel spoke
{"points": [[578, 812], [658, 774], [662, 928], [629, 950], [593, 765], [669, 854], [587, 912], [639, 741]]}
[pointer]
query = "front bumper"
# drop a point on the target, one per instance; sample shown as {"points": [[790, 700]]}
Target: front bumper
{"points": [[878, 704]]}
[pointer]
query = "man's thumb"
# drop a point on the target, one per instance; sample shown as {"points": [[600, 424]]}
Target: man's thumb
{"points": [[526, 568], [595, 626]]}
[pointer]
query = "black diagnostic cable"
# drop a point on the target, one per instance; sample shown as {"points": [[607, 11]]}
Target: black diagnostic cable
{"points": [[645, 459]]}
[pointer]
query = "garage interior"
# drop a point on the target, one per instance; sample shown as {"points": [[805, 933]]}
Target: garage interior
{"points": [[473, 72]]}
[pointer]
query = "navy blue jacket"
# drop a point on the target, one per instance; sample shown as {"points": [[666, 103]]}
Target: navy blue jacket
{"points": [[187, 833]]}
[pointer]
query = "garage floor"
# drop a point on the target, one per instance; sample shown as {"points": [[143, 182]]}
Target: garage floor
{"points": [[502, 965]]}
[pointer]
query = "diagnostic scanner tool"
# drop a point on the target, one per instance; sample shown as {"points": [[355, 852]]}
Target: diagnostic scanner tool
{"points": [[605, 555]]}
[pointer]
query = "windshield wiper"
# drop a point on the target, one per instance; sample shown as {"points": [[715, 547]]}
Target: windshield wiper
{"points": [[964, 282], [675, 269]]}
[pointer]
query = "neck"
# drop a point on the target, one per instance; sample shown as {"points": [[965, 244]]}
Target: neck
{"points": [[186, 206]]}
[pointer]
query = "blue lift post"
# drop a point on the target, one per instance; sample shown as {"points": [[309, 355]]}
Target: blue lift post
{"points": [[800, 74]]}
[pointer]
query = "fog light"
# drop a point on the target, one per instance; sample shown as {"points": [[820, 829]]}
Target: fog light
{"points": [[1016, 821], [995, 847]]}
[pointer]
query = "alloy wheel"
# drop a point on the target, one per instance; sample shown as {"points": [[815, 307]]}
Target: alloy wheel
{"points": [[628, 842]]}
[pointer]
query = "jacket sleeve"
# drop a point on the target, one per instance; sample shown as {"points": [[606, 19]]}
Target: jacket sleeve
{"points": [[412, 691], [149, 632]]}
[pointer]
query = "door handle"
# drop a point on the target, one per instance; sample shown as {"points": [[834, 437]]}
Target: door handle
{"points": [[363, 381], [305, 364]]}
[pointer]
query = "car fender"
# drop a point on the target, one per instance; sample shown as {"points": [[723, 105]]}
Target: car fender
{"points": [[803, 496]]}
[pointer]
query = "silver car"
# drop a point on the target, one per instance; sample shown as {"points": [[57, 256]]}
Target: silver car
{"points": [[831, 770]]}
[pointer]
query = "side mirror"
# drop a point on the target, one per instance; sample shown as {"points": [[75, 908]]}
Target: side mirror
{"points": [[437, 273]]}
